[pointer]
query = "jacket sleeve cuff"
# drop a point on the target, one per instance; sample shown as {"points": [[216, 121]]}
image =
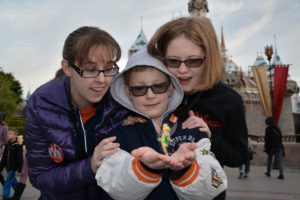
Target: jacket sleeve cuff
{"points": [[185, 176], [146, 174]]}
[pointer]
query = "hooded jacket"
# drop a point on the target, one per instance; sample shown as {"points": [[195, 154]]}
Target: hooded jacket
{"points": [[125, 177], [59, 160]]}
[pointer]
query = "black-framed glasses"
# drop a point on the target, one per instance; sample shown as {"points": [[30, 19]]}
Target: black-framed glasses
{"points": [[93, 73], [191, 63], [158, 88]]}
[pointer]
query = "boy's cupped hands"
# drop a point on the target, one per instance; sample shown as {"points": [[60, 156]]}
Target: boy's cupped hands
{"points": [[183, 157]]}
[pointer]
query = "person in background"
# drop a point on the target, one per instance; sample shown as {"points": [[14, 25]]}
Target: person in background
{"points": [[274, 147], [189, 48], [20, 187], [159, 160], [12, 161], [245, 168], [3, 139], [66, 117]]}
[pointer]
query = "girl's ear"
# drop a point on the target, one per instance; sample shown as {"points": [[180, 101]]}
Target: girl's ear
{"points": [[66, 68]]}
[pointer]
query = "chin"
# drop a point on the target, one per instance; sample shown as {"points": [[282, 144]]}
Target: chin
{"points": [[154, 115], [188, 91], [96, 99]]}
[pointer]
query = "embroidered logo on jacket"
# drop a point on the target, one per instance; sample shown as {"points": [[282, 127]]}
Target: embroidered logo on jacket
{"points": [[204, 151], [208, 121], [56, 153], [215, 179]]}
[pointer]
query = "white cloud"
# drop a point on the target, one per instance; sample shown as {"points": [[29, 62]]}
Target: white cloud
{"points": [[221, 9], [33, 32], [250, 30]]}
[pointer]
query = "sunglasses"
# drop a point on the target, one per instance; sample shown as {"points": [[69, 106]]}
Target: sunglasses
{"points": [[158, 88], [191, 63]]}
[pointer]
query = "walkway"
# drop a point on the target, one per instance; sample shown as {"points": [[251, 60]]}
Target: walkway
{"points": [[256, 187], [260, 187]]}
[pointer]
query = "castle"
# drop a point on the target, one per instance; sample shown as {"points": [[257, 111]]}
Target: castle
{"points": [[242, 82]]}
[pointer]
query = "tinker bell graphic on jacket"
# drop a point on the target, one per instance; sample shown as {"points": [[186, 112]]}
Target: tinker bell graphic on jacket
{"points": [[123, 177]]}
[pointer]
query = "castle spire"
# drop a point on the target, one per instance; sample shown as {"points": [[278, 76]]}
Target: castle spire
{"points": [[140, 41], [141, 22], [223, 47], [276, 58]]}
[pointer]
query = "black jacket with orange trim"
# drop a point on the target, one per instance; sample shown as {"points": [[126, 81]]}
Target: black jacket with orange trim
{"points": [[123, 177], [121, 173]]}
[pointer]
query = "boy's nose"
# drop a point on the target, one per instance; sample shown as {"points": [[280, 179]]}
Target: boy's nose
{"points": [[150, 93]]}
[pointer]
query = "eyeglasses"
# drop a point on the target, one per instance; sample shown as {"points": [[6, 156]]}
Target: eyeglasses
{"points": [[93, 73], [191, 63], [159, 88]]}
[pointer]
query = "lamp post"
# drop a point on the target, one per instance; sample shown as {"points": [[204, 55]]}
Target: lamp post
{"points": [[269, 53]]}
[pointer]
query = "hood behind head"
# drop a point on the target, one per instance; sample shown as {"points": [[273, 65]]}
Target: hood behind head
{"points": [[142, 57]]}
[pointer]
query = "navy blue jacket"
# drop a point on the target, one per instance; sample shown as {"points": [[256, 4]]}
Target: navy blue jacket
{"points": [[144, 134]]}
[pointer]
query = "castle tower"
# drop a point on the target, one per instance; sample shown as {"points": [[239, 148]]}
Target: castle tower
{"points": [[198, 8], [245, 84], [140, 41], [223, 47]]}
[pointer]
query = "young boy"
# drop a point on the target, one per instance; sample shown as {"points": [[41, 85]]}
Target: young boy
{"points": [[12, 160], [166, 161]]}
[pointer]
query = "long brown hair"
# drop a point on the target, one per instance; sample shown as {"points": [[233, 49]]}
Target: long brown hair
{"points": [[79, 43], [201, 32]]}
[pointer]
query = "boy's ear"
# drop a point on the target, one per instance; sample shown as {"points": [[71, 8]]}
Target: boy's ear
{"points": [[66, 68], [127, 92]]}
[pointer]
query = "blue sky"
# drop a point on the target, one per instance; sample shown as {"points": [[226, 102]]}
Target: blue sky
{"points": [[32, 32]]}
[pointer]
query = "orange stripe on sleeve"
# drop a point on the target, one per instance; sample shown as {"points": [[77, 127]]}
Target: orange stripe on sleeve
{"points": [[146, 172], [189, 176], [144, 175]]}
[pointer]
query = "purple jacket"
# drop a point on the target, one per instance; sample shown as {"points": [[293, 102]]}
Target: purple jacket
{"points": [[59, 165]]}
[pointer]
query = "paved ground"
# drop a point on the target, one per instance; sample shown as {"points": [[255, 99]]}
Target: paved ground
{"points": [[256, 187], [259, 187]]}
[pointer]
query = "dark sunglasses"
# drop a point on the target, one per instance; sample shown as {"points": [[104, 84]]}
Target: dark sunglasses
{"points": [[156, 88], [192, 62]]}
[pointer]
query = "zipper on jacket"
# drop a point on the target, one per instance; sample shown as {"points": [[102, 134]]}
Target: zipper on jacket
{"points": [[84, 133]]}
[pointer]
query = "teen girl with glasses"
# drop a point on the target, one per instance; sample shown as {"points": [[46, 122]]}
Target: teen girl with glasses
{"points": [[190, 50], [66, 117]]}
